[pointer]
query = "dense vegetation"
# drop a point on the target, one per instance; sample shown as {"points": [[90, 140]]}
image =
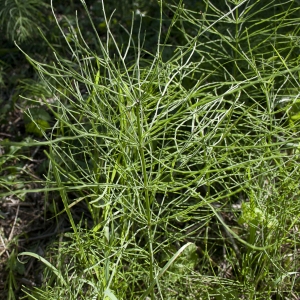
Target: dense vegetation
{"points": [[150, 149]]}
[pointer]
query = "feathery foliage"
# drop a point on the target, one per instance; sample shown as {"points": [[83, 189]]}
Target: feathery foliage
{"points": [[184, 161]]}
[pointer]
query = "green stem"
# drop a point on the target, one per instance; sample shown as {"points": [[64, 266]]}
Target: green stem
{"points": [[147, 199]]}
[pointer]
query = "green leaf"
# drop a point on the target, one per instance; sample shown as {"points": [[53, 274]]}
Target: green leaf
{"points": [[51, 267], [36, 121]]}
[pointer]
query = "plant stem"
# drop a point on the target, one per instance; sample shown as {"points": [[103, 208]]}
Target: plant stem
{"points": [[145, 179]]}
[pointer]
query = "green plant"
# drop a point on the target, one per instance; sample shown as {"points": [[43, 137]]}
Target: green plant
{"points": [[18, 18], [168, 153]]}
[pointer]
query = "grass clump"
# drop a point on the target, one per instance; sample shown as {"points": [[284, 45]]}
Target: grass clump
{"points": [[178, 169]]}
